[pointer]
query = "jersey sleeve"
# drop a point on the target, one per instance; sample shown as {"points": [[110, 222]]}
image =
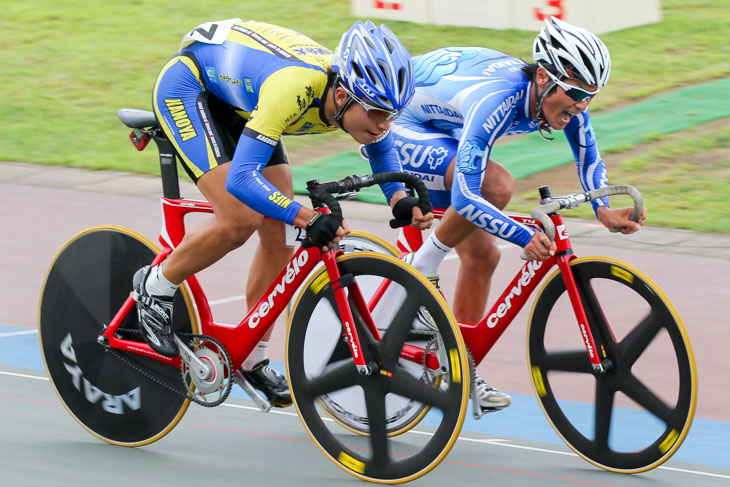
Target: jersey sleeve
{"points": [[281, 102], [489, 117], [591, 169], [384, 158], [246, 182]]}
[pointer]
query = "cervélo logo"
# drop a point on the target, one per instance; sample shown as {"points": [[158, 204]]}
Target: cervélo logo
{"points": [[292, 270], [528, 272]]}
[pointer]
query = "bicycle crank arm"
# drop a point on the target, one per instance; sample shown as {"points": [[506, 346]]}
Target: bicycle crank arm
{"points": [[261, 402], [202, 371]]}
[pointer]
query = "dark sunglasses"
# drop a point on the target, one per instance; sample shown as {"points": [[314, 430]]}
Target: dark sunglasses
{"points": [[575, 93]]}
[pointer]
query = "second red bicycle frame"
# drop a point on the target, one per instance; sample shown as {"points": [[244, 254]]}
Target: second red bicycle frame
{"points": [[480, 337]]}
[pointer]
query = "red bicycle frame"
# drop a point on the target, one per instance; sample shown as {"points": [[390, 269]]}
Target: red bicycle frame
{"points": [[239, 340], [480, 337]]}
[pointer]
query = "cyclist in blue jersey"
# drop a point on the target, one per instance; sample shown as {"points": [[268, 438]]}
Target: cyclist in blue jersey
{"points": [[224, 100], [468, 97]]}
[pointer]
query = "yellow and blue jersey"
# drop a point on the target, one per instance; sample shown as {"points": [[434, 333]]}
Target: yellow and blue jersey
{"points": [[273, 78]]}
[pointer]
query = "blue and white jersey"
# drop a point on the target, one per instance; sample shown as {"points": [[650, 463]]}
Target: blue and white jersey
{"points": [[466, 98]]}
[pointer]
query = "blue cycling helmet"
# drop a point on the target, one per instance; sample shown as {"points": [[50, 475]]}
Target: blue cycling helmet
{"points": [[375, 67]]}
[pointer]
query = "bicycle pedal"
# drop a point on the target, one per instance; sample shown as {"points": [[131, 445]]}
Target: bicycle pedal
{"points": [[261, 402]]}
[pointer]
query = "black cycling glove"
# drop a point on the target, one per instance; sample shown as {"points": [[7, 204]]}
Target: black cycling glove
{"points": [[404, 208], [321, 230], [403, 212]]}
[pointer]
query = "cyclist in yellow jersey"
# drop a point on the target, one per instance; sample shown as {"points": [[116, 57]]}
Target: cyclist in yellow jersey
{"points": [[224, 100]]}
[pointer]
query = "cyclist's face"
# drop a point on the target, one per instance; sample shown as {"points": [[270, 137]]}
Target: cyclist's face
{"points": [[365, 126], [559, 108]]}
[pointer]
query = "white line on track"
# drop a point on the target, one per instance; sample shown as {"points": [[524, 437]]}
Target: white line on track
{"points": [[503, 442], [16, 333]]}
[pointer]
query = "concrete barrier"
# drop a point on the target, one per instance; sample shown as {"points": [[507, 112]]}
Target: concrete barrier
{"points": [[598, 16]]}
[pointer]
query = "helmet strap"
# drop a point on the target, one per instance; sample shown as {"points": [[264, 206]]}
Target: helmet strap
{"points": [[543, 127], [340, 111]]}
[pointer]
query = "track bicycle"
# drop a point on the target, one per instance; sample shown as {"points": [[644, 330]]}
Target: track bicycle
{"points": [[124, 393], [597, 324]]}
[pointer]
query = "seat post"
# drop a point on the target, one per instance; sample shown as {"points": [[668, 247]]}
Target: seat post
{"points": [[168, 168]]}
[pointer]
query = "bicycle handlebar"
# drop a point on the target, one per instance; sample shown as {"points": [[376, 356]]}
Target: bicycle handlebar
{"points": [[541, 213], [322, 193]]}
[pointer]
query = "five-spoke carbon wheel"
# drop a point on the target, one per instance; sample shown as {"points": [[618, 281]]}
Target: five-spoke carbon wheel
{"points": [[87, 283], [419, 358], [634, 416]]}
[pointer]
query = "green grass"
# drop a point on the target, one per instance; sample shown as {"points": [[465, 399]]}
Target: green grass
{"points": [[683, 178], [69, 66]]}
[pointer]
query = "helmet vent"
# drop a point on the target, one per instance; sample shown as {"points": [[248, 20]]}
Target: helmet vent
{"points": [[389, 45], [356, 69], [370, 43], [401, 80], [386, 73]]}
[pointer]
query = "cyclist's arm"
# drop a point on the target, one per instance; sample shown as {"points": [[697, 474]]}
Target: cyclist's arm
{"points": [[472, 158], [246, 182], [279, 103], [384, 158], [591, 169]]}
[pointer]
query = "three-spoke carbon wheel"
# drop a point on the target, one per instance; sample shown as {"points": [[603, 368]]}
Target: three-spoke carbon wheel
{"points": [[634, 416], [344, 406], [411, 317], [87, 283]]}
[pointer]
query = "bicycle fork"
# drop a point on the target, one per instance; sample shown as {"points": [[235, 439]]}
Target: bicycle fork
{"points": [[339, 283], [595, 349]]}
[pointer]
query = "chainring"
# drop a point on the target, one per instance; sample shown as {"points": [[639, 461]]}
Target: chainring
{"points": [[215, 390]]}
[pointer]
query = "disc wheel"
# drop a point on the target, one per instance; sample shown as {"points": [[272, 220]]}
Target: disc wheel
{"points": [[412, 316], [87, 283], [634, 416]]}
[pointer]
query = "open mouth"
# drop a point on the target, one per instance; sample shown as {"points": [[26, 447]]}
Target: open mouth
{"points": [[565, 117]]}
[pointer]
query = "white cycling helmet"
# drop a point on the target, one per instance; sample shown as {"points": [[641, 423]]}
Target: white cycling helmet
{"points": [[574, 52]]}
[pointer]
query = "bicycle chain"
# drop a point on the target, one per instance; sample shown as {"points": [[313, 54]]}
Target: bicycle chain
{"points": [[180, 391]]}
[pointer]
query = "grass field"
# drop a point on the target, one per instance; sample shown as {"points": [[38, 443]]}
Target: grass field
{"points": [[69, 66]]}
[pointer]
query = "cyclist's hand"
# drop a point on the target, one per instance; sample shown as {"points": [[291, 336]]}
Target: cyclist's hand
{"points": [[407, 208], [617, 220], [540, 247], [421, 221], [324, 231]]}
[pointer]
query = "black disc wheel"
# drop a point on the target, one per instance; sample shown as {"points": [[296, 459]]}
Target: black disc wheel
{"points": [[635, 415], [87, 283], [420, 364]]}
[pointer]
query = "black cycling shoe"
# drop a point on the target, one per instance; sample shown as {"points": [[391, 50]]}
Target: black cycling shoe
{"points": [[269, 381], [154, 314]]}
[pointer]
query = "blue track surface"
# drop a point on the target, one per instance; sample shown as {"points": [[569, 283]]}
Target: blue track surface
{"points": [[708, 442]]}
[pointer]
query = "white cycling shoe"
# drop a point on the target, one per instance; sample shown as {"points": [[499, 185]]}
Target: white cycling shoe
{"points": [[489, 398]]}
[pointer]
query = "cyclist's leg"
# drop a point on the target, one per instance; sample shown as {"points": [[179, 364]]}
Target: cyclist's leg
{"points": [[231, 227], [478, 251], [271, 256], [479, 257], [182, 106]]}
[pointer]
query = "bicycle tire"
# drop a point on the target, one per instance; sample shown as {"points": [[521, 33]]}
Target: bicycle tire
{"points": [[310, 376], [619, 437], [86, 284]]}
